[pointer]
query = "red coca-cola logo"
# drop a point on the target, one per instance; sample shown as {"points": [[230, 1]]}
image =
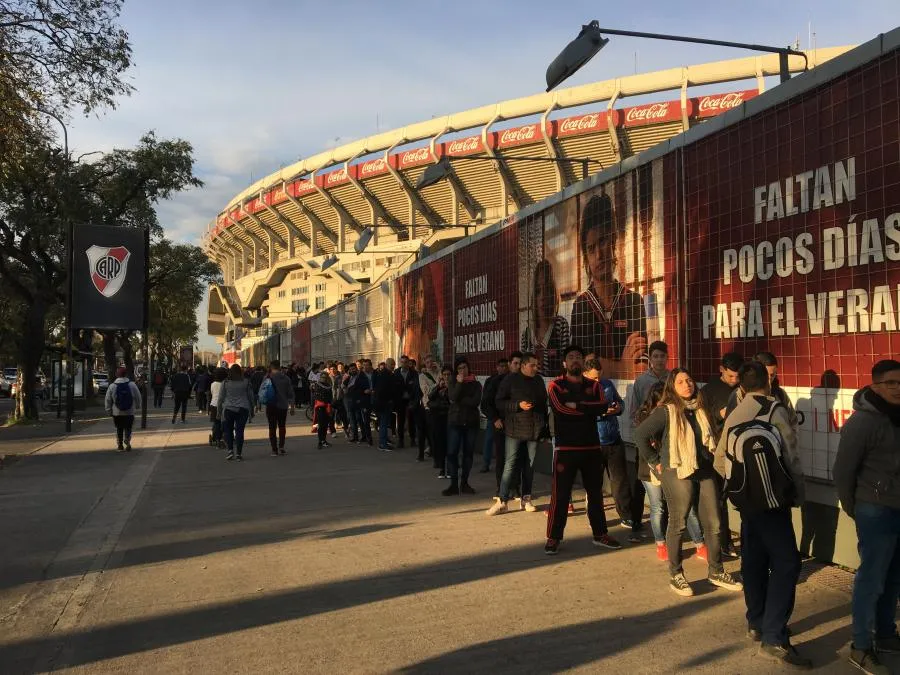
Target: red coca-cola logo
{"points": [[721, 102], [469, 144], [648, 113], [336, 177], [305, 186], [572, 125], [422, 154], [519, 134], [369, 168]]}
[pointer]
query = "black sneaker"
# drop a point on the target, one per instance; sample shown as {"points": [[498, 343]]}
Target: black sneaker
{"points": [[754, 634], [450, 491], [786, 655], [120, 448], [467, 489], [889, 645], [128, 447], [680, 585], [605, 541], [274, 453], [868, 661], [724, 580], [326, 444], [319, 446], [627, 522], [551, 547], [240, 458], [282, 452], [229, 456]]}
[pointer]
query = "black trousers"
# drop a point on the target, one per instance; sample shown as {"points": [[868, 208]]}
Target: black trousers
{"points": [[180, 404], [158, 396], [124, 424], [401, 409], [770, 568], [201, 401], [614, 462], [423, 433], [323, 419], [724, 525], [568, 463], [277, 419], [437, 422]]}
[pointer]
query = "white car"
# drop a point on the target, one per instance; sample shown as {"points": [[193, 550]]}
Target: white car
{"points": [[101, 382], [9, 381]]}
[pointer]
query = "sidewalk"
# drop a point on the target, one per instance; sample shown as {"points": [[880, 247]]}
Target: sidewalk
{"points": [[169, 559], [24, 439]]}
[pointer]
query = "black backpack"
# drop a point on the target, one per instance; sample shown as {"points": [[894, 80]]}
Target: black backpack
{"points": [[756, 479]]}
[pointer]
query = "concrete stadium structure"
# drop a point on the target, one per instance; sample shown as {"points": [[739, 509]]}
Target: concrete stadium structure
{"points": [[286, 243]]}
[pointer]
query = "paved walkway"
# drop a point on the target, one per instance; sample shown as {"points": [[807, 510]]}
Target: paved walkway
{"points": [[169, 559]]}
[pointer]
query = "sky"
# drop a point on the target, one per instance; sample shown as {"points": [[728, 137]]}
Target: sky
{"points": [[257, 86]]}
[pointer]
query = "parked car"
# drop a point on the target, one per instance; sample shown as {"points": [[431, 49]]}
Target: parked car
{"points": [[6, 386], [10, 382]]}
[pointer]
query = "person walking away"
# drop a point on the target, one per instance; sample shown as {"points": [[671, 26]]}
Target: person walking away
{"points": [[181, 392], [122, 398], [428, 380], [323, 407], [159, 387], [653, 488], [757, 456], [304, 386], [657, 371], [521, 401], [631, 512], [215, 436], [682, 459], [279, 399], [576, 403], [866, 477], [493, 430], [234, 407], [294, 377], [463, 418], [202, 383], [438, 410], [714, 398], [257, 375]]}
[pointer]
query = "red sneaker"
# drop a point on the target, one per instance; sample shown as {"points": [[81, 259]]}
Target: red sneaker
{"points": [[662, 552], [702, 553]]}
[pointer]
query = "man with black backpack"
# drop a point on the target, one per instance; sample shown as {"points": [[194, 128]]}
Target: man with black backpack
{"points": [[757, 455], [181, 391], [122, 398]]}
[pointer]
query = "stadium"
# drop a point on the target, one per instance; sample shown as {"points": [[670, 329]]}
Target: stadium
{"points": [[327, 232]]}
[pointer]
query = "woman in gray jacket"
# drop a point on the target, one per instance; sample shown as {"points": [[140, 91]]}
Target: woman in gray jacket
{"points": [[234, 407]]}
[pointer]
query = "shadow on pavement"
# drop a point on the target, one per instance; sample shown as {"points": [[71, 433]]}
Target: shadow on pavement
{"points": [[119, 639], [561, 648]]}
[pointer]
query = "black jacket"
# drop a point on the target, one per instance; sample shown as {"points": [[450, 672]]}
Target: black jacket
{"points": [[383, 387], [356, 391], [488, 404], [407, 387], [464, 400], [515, 388], [576, 428], [181, 383], [439, 401]]}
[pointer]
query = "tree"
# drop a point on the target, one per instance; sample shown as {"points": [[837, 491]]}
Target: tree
{"points": [[56, 55], [40, 195]]}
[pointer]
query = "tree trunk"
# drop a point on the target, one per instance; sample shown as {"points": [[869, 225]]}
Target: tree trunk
{"points": [[109, 353], [31, 348], [127, 352]]}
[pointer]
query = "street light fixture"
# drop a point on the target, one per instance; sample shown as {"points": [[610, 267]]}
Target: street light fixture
{"points": [[590, 41], [329, 262], [435, 173]]}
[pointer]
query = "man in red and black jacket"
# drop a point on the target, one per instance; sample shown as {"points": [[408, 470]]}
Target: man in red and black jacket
{"points": [[577, 402]]}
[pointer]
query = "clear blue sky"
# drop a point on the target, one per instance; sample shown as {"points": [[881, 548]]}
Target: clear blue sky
{"points": [[255, 86]]}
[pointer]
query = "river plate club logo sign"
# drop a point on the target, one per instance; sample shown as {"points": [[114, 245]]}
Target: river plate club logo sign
{"points": [[108, 267]]}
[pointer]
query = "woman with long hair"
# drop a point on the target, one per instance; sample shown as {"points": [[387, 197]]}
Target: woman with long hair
{"points": [[547, 333], [682, 459], [659, 514], [234, 406], [324, 398]]}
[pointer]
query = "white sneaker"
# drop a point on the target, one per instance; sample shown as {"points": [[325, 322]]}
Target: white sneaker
{"points": [[497, 508], [527, 505]]}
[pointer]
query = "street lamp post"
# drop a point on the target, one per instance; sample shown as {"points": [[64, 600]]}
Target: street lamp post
{"points": [[590, 41], [70, 365]]}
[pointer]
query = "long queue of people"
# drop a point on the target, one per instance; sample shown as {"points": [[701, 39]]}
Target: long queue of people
{"points": [[735, 438]]}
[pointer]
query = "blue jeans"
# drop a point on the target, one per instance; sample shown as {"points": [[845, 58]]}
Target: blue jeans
{"points": [[460, 438], [659, 516], [511, 464], [352, 419], [385, 413], [233, 423], [876, 586]]}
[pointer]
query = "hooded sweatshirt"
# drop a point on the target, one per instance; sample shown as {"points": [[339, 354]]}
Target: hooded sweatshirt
{"points": [[111, 397], [867, 467]]}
